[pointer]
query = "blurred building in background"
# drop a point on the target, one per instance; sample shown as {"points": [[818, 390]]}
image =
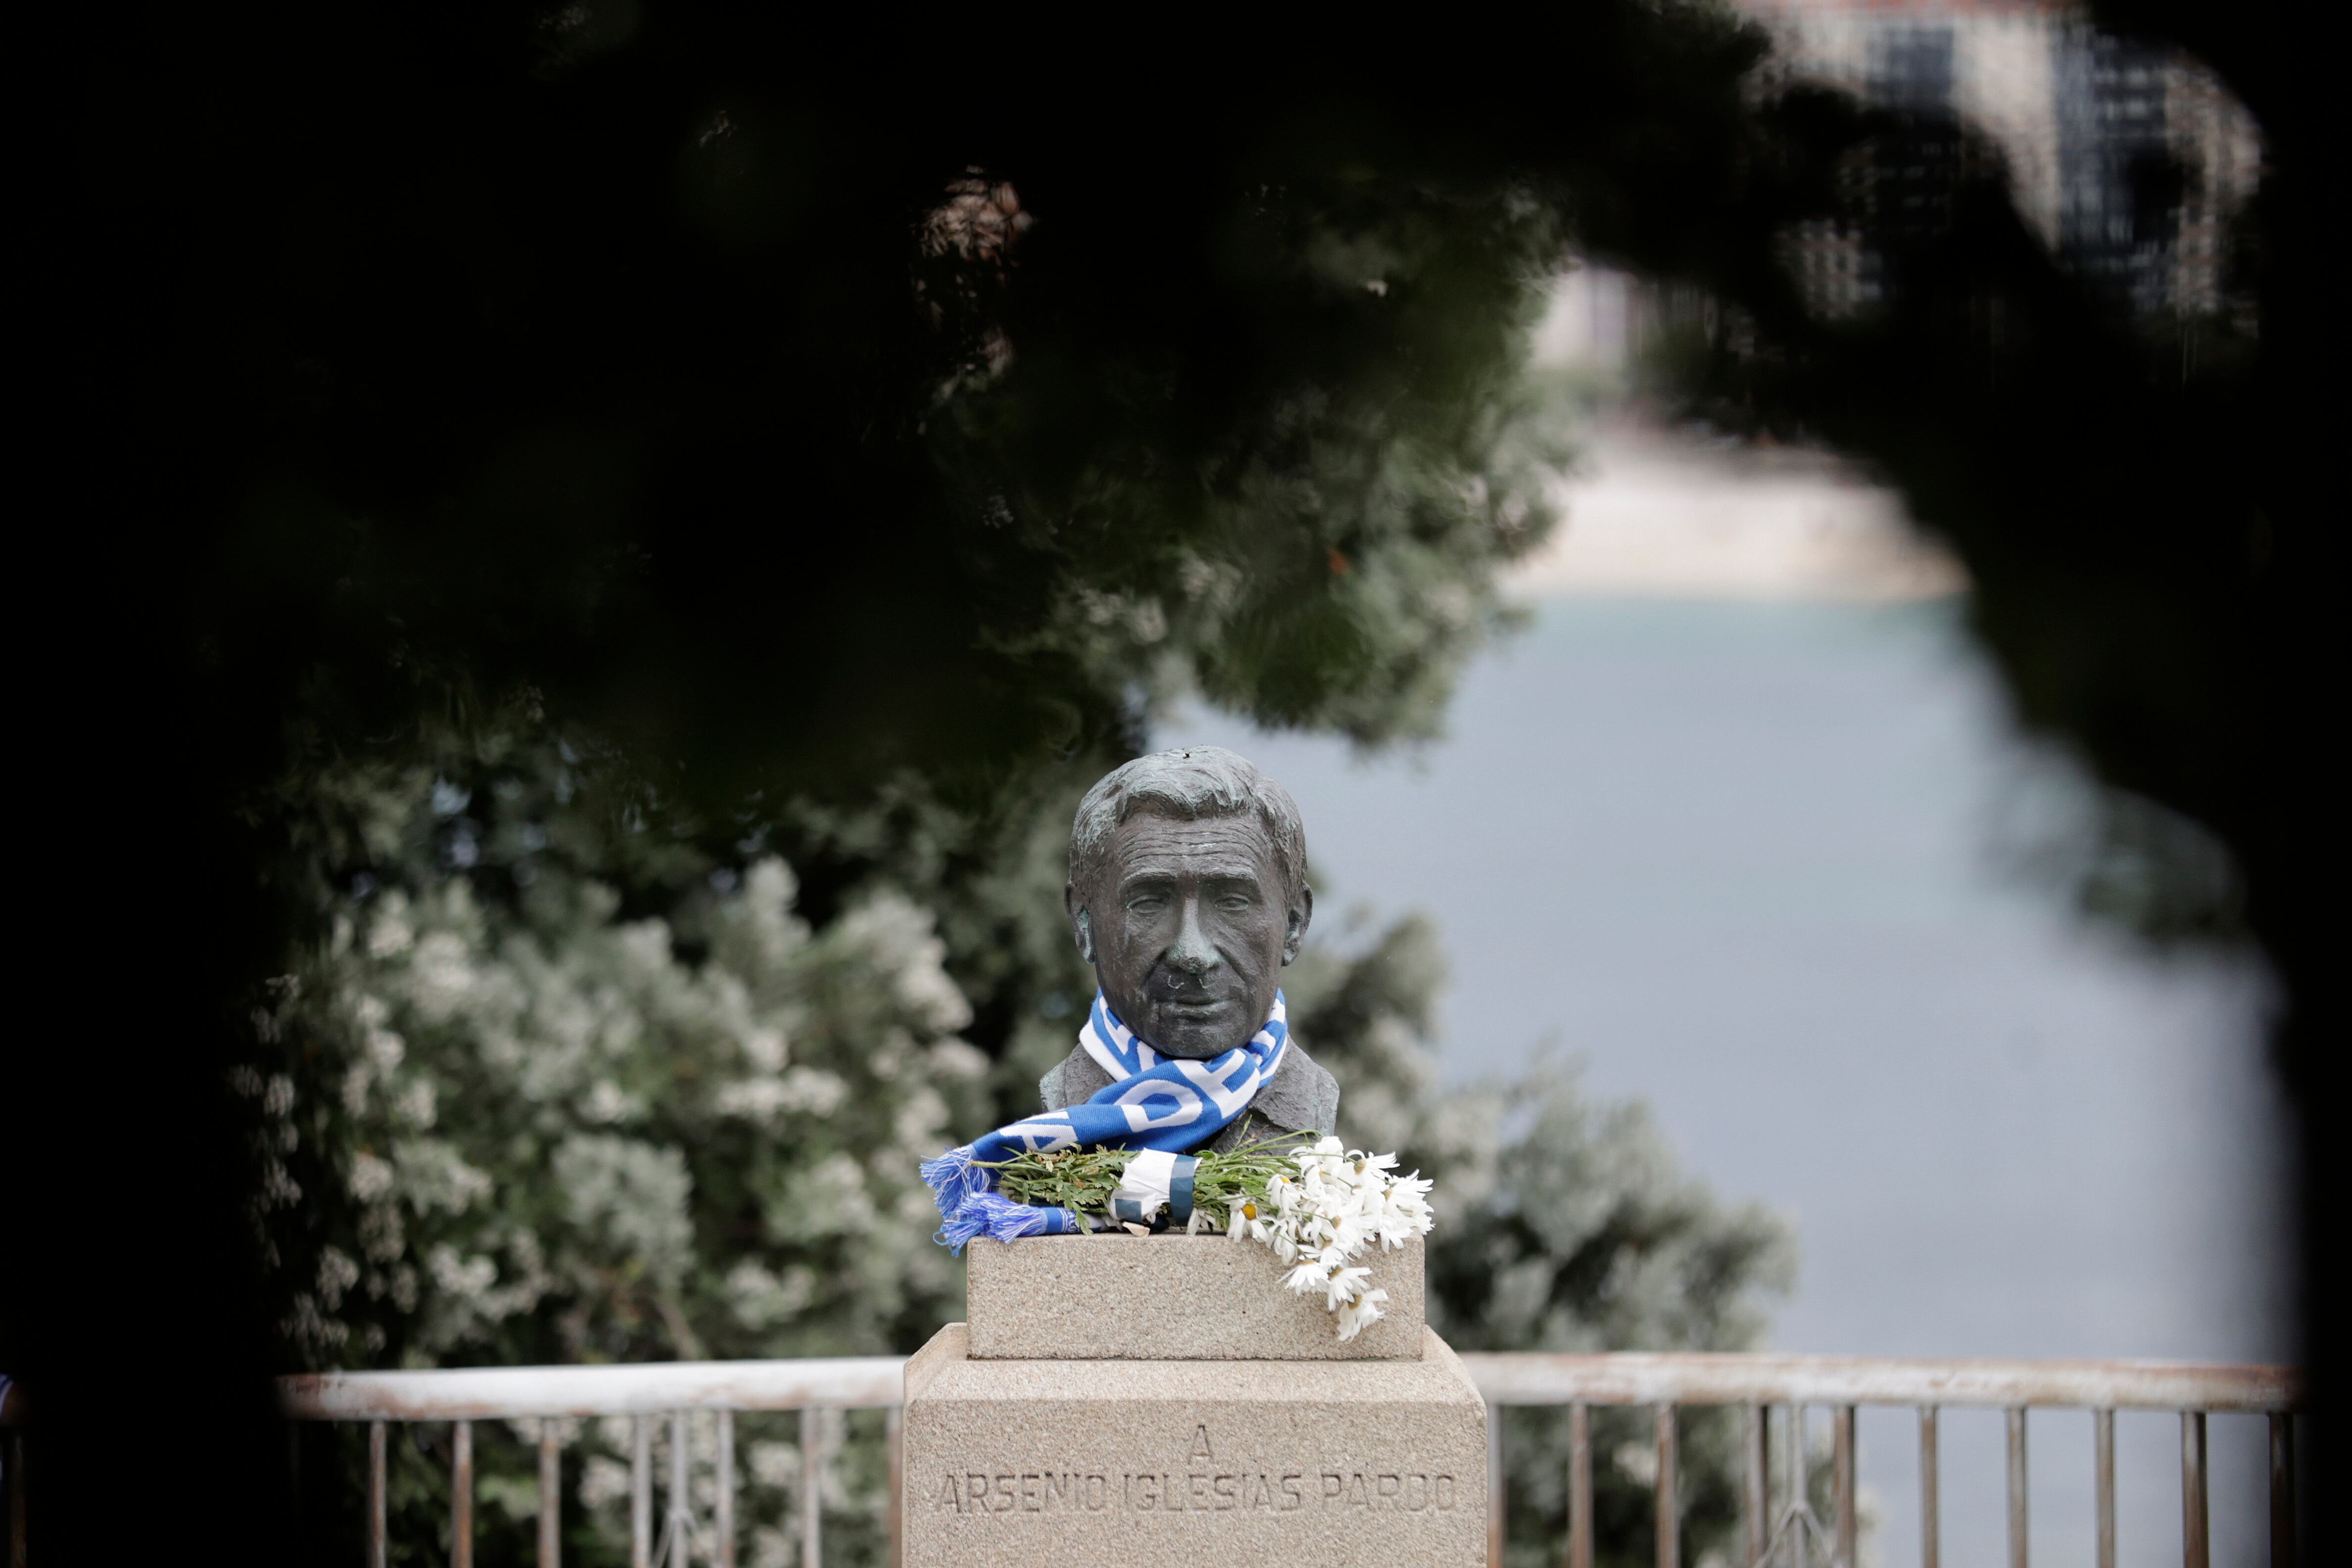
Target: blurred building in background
{"points": [[2129, 160]]}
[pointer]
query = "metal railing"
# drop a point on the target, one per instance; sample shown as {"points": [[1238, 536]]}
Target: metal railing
{"points": [[1756, 1385], [644, 1393]]}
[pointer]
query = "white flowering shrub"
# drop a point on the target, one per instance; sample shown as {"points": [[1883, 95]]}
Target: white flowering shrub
{"points": [[507, 1120], [566, 1138]]}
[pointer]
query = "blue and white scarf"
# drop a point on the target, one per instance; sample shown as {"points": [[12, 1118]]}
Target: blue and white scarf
{"points": [[1156, 1103]]}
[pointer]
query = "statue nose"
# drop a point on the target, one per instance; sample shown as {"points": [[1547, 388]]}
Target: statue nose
{"points": [[1195, 954]]}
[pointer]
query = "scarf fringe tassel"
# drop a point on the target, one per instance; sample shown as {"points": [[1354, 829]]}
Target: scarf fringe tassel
{"points": [[971, 1209]]}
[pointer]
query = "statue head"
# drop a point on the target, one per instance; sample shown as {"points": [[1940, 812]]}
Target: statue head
{"points": [[1188, 895]]}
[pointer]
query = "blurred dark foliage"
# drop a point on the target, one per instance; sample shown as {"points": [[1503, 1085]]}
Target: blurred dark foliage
{"points": [[687, 372], [2149, 508]]}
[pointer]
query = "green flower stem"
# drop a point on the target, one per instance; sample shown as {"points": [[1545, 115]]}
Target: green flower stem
{"points": [[1084, 1179]]}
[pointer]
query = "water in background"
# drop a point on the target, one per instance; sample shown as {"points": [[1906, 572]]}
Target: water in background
{"points": [[1739, 857]]}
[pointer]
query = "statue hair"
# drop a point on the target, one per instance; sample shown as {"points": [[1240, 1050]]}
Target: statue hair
{"points": [[1191, 782]]}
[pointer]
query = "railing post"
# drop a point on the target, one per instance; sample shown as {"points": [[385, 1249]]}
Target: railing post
{"points": [[677, 1523], [2194, 1552], [461, 1494], [722, 1507], [1580, 1486], [377, 1545], [812, 1487], [2020, 1542], [1755, 1505], [1931, 1472], [893, 1438], [2282, 1492], [1496, 1521], [550, 1496], [641, 1492], [1799, 1500], [1842, 1459], [1669, 1513], [2103, 1443]]}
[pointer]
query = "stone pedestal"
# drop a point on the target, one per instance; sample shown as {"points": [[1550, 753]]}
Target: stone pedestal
{"points": [[1064, 1444]]}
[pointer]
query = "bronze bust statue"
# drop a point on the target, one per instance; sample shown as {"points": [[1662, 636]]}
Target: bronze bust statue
{"points": [[1188, 895]]}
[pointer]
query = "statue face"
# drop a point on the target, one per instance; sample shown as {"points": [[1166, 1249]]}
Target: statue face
{"points": [[1188, 928]]}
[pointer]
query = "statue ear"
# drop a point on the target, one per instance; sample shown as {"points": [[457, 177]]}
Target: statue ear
{"points": [[1293, 928], [1082, 925]]}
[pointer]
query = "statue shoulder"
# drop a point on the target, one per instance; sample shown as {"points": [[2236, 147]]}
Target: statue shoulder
{"points": [[1072, 1081], [1302, 1096]]}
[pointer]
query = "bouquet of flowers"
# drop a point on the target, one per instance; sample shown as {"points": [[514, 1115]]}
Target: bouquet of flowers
{"points": [[1318, 1208]]}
